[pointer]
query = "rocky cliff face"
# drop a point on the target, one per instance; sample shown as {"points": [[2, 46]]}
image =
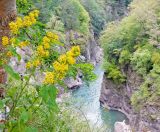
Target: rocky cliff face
{"points": [[117, 97]]}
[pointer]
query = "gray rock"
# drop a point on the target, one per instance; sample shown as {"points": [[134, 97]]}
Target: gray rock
{"points": [[122, 127], [73, 83]]}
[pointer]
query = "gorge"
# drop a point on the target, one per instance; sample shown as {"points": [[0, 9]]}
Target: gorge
{"points": [[103, 55]]}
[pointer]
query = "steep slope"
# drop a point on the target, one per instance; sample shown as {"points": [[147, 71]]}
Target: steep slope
{"points": [[132, 64]]}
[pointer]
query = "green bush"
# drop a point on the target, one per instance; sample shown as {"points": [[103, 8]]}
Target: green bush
{"points": [[141, 61], [124, 58], [114, 73]]}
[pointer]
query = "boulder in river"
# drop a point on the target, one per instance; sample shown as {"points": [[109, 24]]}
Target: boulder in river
{"points": [[122, 127]]}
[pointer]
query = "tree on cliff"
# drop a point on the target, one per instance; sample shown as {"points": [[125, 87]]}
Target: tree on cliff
{"points": [[7, 14]]}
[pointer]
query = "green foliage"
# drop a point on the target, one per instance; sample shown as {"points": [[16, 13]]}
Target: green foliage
{"points": [[74, 16], [156, 58], [23, 6], [135, 41], [139, 97], [33, 105], [124, 57], [114, 73], [97, 14], [141, 61], [149, 91], [86, 71]]}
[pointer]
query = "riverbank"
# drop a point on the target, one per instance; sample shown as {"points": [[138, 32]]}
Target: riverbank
{"points": [[86, 98]]}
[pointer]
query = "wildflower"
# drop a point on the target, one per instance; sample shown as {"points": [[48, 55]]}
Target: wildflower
{"points": [[50, 34], [5, 40], [36, 63], [55, 37], [32, 18], [23, 44], [75, 50], [9, 54], [60, 76], [62, 59], [27, 21], [13, 27], [49, 78], [60, 67], [71, 60], [46, 53], [46, 39], [19, 22], [69, 53], [40, 50], [28, 65], [46, 45], [36, 13]]}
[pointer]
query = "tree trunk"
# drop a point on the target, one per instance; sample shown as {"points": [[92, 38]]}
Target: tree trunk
{"points": [[7, 14]]}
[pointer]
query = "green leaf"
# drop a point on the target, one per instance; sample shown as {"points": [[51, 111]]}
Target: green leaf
{"points": [[48, 94], [10, 71], [31, 129], [24, 116], [1, 104]]}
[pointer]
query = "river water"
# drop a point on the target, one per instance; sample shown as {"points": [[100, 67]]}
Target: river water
{"points": [[86, 98]]}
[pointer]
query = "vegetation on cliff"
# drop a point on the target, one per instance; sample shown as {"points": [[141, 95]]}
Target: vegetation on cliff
{"points": [[134, 41]]}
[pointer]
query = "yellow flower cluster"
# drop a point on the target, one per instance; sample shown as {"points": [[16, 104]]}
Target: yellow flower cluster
{"points": [[74, 52], [49, 78], [9, 54], [42, 52], [23, 44], [5, 41], [42, 49], [34, 63], [25, 22], [52, 36], [62, 64]]}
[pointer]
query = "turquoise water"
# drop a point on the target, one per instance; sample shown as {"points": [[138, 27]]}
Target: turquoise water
{"points": [[87, 99]]}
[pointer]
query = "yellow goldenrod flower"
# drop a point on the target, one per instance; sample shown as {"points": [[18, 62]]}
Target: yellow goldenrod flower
{"points": [[36, 13], [19, 22], [13, 27], [46, 46], [32, 18], [50, 34], [62, 59], [36, 63], [60, 76], [60, 67], [75, 50], [46, 39], [5, 40], [46, 53], [41, 52], [27, 21], [64, 67], [56, 37], [28, 65], [71, 60], [23, 44], [69, 53], [49, 78], [9, 54]]}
